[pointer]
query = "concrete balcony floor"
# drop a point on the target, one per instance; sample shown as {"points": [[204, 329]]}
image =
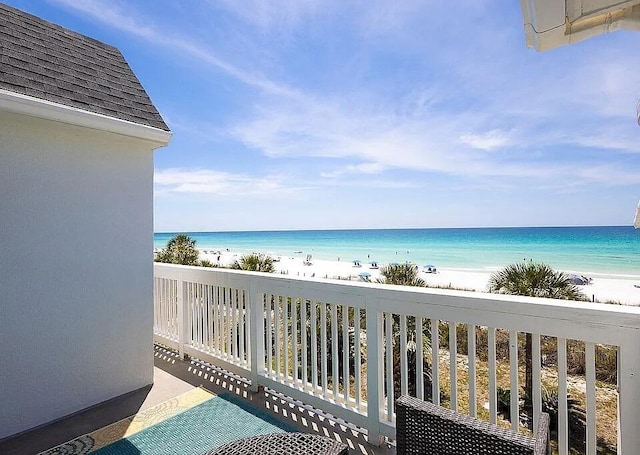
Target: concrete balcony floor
{"points": [[173, 377]]}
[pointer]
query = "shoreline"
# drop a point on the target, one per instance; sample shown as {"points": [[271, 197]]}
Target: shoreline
{"points": [[604, 286]]}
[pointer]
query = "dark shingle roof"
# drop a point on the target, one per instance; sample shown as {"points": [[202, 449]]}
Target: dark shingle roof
{"points": [[46, 61]]}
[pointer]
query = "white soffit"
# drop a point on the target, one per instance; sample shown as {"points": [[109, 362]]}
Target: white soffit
{"points": [[553, 23]]}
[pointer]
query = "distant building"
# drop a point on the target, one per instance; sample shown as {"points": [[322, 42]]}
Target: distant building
{"points": [[77, 132]]}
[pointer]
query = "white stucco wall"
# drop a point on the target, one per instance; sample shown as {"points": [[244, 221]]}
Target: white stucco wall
{"points": [[76, 269]]}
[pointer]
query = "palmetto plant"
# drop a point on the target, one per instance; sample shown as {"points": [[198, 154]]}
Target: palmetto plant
{"points": [[254, 262], [180, 249], [402, 274], [533, 279]]}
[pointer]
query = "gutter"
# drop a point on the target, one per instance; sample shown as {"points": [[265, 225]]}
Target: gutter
{"points": [[48, 110]]}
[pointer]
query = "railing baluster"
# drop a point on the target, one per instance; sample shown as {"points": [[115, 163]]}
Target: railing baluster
{"points": [[230, 326], [404, 370], [190, 315], [234, 324], [269, 329], [206, 321], [563, 419], [193, 300], [345, 353], [213, 318], [358, 368], [493, 390], [389, 363], [157, 305], [419, 360], [182, 316], [163, 317], [170, 295], [200, 316], [205, 316], [536, 393], [590, 366], [435, 360], [285, 329], [177, 321], [453, 365], [303, 335], [169, 302], [256, 311], [242, 321], [210, 320], [226, 328], [335, 355], [314, 346], [513, 360], [375, 350], [219, 315], [294, 339], [276, 329], [471, 360], [323, 347]]}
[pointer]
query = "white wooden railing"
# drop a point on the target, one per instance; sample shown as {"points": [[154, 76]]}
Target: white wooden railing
{"points": [[344, 347]]}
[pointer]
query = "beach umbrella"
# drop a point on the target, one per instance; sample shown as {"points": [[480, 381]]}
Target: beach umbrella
{"points": [[636, 220], [364, 276], [356, 262]]}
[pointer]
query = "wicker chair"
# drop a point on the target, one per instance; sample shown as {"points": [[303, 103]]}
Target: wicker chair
{"points": [[427, 429], [283, 444]]}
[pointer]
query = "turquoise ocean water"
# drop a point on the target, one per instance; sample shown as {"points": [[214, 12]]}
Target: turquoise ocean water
{"points": [[611, 250]]}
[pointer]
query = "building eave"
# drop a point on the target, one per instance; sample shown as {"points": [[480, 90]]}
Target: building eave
{"points": [[552, 23], [39, 108]]}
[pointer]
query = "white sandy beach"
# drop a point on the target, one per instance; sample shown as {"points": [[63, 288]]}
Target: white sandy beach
{"points": [[603, 287]]}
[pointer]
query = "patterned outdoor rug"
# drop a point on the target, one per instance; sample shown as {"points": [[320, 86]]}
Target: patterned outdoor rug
{"points": [[189, 424]]}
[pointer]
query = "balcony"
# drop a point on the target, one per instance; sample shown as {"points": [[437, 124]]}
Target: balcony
{"points": [[349, 349], [332, 357]]}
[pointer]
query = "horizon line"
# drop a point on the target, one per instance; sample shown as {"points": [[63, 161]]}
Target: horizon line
{"points": [[393, 229]]}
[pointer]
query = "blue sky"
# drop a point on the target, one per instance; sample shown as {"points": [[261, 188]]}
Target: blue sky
{"points": [[304, 114]]}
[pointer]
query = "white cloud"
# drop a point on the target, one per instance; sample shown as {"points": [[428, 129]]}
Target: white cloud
{"points": [[268, 14], [124, 18], [362, 168], [206, 181], [488, 141]]}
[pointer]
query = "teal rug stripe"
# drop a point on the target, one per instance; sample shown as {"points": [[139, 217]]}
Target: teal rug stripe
{"points": [[215, 422]]}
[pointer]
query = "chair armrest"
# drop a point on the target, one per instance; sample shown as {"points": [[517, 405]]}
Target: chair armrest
{"points": [[428, 429]]}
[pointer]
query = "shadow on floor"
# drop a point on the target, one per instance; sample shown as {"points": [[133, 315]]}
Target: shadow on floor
{"points": [[302, 418]]}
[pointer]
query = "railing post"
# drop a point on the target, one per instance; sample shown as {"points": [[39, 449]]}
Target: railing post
{"points": [[256, 337], [183, 313], [628, 396], [374, 375]]}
